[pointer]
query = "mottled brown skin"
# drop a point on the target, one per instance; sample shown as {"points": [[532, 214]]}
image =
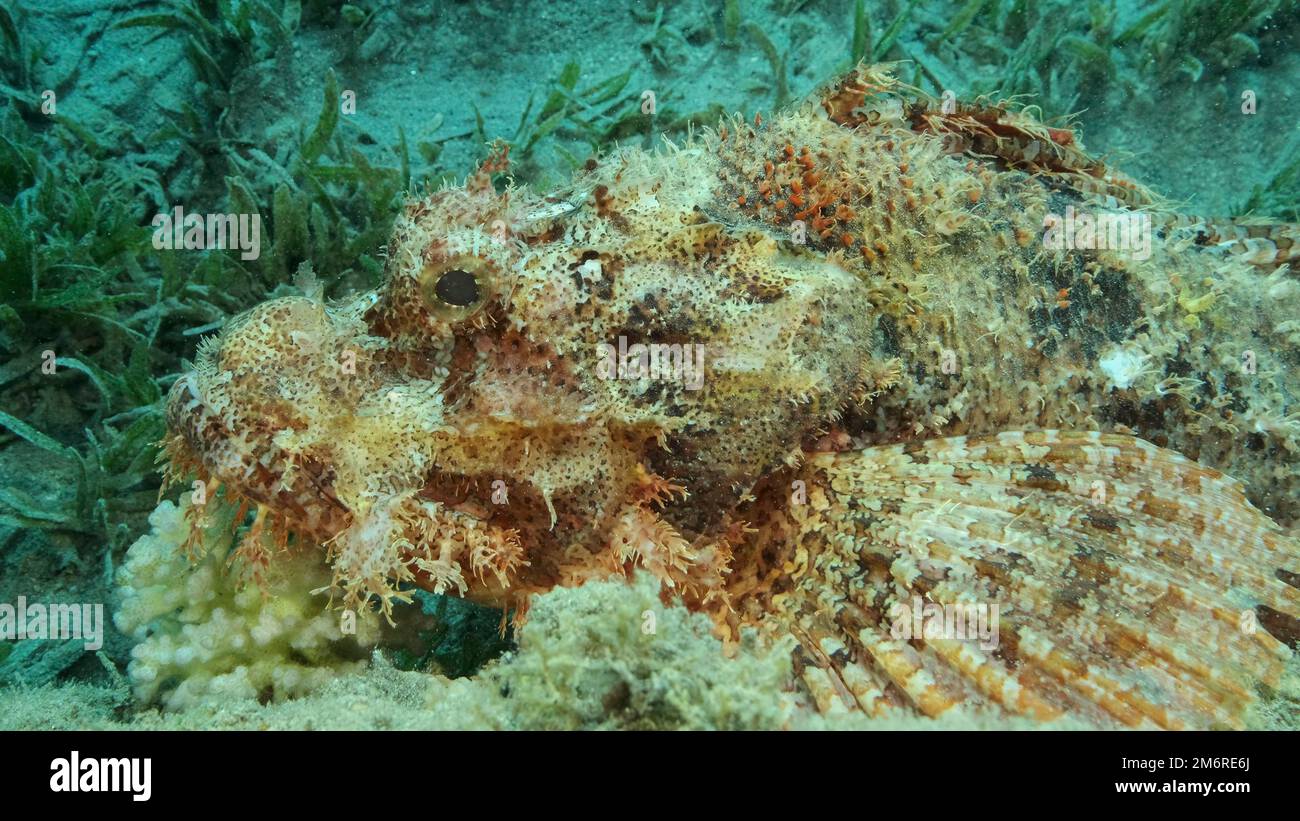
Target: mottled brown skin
{"points": [[855, 280], [441, 401], [951, 248]]}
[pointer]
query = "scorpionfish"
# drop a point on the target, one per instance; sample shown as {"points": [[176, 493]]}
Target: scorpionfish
{"points": [[808, 371]]}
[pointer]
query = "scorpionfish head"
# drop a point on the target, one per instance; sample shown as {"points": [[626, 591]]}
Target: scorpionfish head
{"points": [[537, 364]]}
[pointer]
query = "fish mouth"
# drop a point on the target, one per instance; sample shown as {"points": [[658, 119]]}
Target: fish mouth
{"points": [[300, 491], [201, 435], [187, 414]]}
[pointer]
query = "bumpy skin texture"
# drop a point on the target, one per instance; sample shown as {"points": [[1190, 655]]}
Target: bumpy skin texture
{"points": [[382, 426], [865, 271]]}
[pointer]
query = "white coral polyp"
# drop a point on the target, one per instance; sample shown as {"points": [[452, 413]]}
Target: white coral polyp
{"points": [[202, 639]]}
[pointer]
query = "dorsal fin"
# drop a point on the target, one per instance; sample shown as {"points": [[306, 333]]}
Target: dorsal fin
{"points": [[981, 128], [870, 93], [1266, 245]]}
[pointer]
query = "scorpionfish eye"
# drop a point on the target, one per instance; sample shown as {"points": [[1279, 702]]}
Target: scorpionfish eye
{"points": [[456, 288]]}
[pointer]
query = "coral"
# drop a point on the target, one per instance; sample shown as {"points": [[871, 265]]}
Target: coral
{"points": [[1063, 359], [585, 661], [202, 636], [607, 655]]}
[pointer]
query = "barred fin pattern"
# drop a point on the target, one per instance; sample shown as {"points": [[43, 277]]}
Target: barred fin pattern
{"points": [[1132, 586], [870, 93], [1262, 244]]}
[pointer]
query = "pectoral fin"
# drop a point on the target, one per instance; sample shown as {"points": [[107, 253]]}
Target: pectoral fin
{"points": [[1118, 583]]}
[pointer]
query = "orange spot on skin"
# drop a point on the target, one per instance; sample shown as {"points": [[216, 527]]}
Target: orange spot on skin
{"points": [[740, 200], [1061, 136], [789, 150], [848, 240], [973, 195]]}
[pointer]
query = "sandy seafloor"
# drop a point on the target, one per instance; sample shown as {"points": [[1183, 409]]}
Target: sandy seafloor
{"points": [[428, 67]]}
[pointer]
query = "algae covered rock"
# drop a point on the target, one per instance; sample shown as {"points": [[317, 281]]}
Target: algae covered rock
{"points": [[611, 655]]}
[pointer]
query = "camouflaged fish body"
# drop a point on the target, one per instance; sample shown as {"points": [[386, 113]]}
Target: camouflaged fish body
{"points": [[896, 307]]}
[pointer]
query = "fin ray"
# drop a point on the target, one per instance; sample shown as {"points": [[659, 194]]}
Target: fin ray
{"points": [[1128, 580]]}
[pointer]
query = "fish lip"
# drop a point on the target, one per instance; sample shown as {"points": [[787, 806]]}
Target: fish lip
{"points": [[184, 401], [190, 417], [192, 420]]}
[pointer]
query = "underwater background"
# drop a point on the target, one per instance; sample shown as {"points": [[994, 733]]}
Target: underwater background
{"points": [[320, 116]]}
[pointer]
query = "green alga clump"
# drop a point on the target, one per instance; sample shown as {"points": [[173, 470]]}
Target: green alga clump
{"points": [[610, 655]]}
